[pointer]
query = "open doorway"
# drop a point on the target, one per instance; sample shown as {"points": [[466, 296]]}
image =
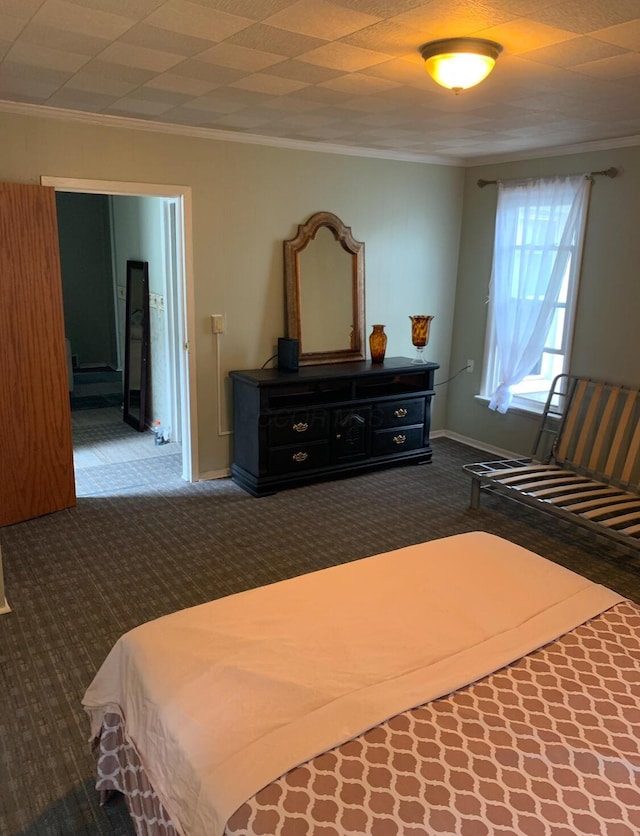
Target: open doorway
{"points": [[148, 223]]}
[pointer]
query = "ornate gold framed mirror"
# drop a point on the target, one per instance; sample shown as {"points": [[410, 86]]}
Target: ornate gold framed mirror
{"points": [[324, 283]]}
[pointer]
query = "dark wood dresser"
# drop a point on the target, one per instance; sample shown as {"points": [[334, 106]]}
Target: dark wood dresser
{"points": [[326, 421]]}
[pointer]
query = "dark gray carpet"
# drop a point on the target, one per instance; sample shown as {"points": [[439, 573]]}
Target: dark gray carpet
{"points": [[147, 544], [95, 401]]}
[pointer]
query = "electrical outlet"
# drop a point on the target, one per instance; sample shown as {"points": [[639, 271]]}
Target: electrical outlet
{"points": [[217, 323], [469, 366]]}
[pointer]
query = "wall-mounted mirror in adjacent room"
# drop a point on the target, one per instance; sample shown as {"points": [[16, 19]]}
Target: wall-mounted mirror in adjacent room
{"points": [[324, 280], [136, 354]]}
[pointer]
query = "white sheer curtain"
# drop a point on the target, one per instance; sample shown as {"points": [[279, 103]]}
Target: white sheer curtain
{"points": [[539, 232]]}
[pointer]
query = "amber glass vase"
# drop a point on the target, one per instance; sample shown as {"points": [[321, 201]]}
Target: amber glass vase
{"points": [[420, 335], [377, 343]]}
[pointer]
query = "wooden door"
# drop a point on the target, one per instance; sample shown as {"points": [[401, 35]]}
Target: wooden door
{"points": [[36, 450]]}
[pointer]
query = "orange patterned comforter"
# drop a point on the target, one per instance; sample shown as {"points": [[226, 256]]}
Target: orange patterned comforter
{"points": [[548, 746]]}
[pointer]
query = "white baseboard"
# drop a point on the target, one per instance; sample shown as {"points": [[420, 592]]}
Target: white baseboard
{"points": [[4, 607], [473, 442]]}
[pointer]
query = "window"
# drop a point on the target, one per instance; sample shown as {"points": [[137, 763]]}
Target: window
{"points": [[533, 290]]}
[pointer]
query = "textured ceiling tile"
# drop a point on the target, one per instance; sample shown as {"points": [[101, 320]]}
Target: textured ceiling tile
{"points": [[239, 57], [455, 18], [137, 108], [22, 9], [380, 8], [180, 84], [229, 100], [521, 8], [302, 121], [136, 9], [275, 40], [521, 35], [575, 51], [319, 95], [621, 66], [47, 36], [269, 84], [240, 120], [10, 26], [540, 103], [309, 73], [254, 9], [49, 59], [91, 83], [73, 18], [28, 82], [358, 83], [140, 57], [192, 68], [392, 38], [343, 57], [153, 37], [359, 77], [376, 120], [404, 72], [626, 35], [587, 15], [320, 19], [199, 21], [366, 104], [288, 104], [213, 104], [118, 72], [153, 94], [517, 71], [90, 101]]}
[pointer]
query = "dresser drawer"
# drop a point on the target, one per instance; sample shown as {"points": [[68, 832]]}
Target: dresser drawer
{"points": [[297, 427], [386, 442], [398, 413], [298, 457]]}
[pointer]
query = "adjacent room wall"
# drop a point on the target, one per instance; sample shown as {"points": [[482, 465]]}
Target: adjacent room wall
{"points": [[246, 200], [607, 333], [87, 283], [138, 236]]}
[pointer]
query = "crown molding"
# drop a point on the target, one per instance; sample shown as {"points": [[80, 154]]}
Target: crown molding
{"points": [[556, 151], [103, 120], [128, 123]]}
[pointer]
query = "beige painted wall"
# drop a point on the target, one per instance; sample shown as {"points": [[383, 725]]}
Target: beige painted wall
{"points": [[607, 330], [246, 200]]}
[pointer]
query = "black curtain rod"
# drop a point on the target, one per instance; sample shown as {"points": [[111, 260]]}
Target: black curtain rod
{"points": [[606, 172]]}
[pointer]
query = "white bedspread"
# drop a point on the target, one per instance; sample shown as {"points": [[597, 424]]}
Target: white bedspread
{"points": [[221, 699]]}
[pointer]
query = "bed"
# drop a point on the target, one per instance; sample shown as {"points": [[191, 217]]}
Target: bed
{"points": [[460, 686]]}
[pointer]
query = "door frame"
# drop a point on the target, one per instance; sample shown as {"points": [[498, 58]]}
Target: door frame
{"points": [[182, 292]]}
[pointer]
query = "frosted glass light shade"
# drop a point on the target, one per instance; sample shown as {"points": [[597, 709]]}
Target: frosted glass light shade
{"points": [[460, 63]]}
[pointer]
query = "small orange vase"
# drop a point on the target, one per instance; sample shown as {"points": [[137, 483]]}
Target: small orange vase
{"points": [[377, 344]]}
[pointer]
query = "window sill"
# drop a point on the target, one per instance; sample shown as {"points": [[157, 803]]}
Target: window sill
{"points": [[516, 408]]}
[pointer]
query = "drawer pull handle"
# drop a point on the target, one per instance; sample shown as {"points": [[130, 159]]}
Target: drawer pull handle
{"points": [[400, 413], [300, 457], [399, 439], [302, 427]]}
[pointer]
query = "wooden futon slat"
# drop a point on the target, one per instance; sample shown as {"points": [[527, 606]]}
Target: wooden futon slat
{"points": [[589, 471]]}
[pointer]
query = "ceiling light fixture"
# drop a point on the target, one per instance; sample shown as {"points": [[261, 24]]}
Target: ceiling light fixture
{"points": [[459, 63]]}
